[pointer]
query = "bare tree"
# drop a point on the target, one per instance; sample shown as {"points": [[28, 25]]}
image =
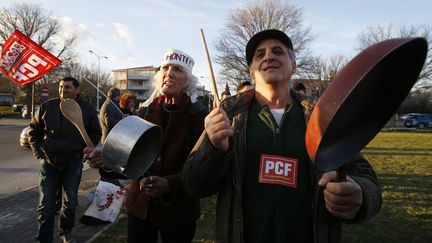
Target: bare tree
{"points": [[83, 73], [86, 75], [375, 34], [418, 101], [37, 24], [243, 23], [7, 87], [325, 69]]}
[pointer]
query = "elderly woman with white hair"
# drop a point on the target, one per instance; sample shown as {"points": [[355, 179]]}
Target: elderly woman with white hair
{"points": [[158, 203]]}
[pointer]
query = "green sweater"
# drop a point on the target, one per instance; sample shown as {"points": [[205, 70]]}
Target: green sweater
{"points": [[277, 196]]}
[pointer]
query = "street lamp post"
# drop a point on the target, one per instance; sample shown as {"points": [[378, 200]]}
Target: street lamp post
{"points": [[98, 76]]}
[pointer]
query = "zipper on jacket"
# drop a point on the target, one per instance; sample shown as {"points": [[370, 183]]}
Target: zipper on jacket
{"points": [[268, 119]]}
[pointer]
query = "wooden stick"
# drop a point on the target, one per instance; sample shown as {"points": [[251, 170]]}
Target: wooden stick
{"points": [[214, 88]]}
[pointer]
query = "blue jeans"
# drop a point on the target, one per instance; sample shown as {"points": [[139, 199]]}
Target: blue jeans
{"points": [[49, 180]]}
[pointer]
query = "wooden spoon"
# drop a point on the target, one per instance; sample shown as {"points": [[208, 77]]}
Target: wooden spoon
{"points": [[72, 111]]}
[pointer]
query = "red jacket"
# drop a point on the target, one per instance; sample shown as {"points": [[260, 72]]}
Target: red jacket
{"points": [[183, 127]]}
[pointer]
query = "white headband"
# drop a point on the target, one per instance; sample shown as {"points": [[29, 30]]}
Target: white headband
{"points": [[174, 56]]}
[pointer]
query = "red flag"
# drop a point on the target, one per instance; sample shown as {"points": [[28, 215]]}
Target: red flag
{"points": [[24, 61]]}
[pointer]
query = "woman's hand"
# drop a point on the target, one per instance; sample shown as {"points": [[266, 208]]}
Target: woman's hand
{"points": [[155, 186]]}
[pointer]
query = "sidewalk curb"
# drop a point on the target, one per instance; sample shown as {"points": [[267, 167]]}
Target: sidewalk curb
{"points": [[97, 234], [18, 214]]}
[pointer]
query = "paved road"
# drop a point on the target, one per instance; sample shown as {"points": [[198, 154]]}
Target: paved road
{"points": [[18, 214], [19, 170]]}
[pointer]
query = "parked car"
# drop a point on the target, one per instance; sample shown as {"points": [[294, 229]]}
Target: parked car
{"points": [[402, 117], [24, 111], [418, 120], [17, 107], [24, 138]]}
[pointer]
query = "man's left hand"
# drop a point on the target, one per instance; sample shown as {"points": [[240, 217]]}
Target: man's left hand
{"points": [[342, 199]]}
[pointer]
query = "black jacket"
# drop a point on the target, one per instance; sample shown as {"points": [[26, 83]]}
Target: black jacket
{"points": [[55, 138], [181, 130], [110, 114], [209, 171]]}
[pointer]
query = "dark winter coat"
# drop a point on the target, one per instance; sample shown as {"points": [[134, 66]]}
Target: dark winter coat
{"points": [[55, 138], [209, 171], [182, 129], [110, 114]]}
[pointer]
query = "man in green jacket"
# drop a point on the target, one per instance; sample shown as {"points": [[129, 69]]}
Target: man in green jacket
{"points": [[253, 154]]}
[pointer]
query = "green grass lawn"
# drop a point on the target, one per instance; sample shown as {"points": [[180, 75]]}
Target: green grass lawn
{"points": [[403, 162]]}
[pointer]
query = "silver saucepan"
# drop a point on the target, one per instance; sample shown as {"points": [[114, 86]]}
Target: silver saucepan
{"points": [[132, 146]]}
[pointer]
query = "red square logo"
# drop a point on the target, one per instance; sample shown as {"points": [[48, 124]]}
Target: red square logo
{"points": [[278, 170]]}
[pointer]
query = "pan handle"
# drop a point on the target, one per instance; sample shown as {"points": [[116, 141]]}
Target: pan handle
{"points": [[340, 174]]}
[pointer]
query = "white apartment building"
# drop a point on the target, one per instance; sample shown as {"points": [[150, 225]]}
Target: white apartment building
{"points": [[137, 80]]}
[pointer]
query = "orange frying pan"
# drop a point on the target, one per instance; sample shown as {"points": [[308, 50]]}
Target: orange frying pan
{"points": [[361, 99]]}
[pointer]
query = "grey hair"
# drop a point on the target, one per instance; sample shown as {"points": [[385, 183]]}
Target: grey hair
{"points": [[191, 82], [292, 54]]}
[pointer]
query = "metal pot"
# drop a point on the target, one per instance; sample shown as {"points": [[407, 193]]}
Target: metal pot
{"points": [[361, 99], [132, 146]]}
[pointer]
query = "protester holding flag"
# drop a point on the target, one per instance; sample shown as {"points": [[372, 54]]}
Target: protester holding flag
{"points": [[58, 143]]}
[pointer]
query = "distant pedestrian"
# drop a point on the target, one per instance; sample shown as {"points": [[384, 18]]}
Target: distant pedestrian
{"points": [[110, 112], [299, 87], [127, 103], [244, 86]]}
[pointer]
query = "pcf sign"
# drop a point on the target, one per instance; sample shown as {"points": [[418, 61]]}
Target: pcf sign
{"points": [[278, 170], [23, 61]]}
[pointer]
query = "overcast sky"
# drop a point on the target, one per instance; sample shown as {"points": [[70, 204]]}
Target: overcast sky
{"points": [[138, 32]]}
